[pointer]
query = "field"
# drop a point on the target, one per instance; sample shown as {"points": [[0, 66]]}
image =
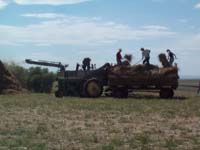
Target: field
{"points": [[143, 122]]}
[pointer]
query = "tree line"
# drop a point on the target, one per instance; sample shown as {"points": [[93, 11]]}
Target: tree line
{"points": [[35, 79]]}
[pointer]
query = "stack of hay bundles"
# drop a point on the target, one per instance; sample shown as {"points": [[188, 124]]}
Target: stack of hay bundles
{"points": [[145, 72], [8, 83]]}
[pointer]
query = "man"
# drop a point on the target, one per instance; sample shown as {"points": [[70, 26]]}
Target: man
{"points": [[171, 57], [198, 91], [145, 56], [119, 57], [86, 64]]}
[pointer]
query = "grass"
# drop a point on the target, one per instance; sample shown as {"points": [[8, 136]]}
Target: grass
{"points": [[40, 121]]}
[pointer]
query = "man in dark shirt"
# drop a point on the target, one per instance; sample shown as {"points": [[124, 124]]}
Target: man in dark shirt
{"points": [[198, 90], [119, 57], [171, 57], [86, 64]]}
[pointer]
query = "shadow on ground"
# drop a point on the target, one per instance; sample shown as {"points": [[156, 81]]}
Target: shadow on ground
{"points": [[150, 97]]}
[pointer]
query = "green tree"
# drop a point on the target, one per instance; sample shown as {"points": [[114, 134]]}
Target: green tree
{"points": [[40, 80], [34, 79]]}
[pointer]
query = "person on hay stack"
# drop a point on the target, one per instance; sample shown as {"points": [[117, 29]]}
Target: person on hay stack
{"points": [[119, 57], [145, 56], [171, 57]]}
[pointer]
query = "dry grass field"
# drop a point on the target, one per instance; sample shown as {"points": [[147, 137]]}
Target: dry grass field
{"points": [[143, 122]]}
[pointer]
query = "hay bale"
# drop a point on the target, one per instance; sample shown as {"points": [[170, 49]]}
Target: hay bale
{"points": [[170, 70], [132, 70], [8, 82], [163, 59], [142, 68], [145, 73], [10, 92], [128, 57], [138, 68], [120, 70], [165, 72], [125, 63]]}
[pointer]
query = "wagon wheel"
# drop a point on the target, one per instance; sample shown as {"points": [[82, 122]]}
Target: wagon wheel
{"points": [[166, 93], [171, 93], [93, 88], [120, 92]]}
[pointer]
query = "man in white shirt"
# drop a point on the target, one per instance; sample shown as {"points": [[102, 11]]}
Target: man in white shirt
{"points": [[145, 56]]}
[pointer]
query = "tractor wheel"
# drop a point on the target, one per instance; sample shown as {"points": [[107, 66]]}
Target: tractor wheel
{"points": [[59, 94], [171, 93], [93, 88], [166, 93], [120, 92]]}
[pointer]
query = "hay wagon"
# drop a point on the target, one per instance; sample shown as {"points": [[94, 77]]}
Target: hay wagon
{"points": [[125, 80]]}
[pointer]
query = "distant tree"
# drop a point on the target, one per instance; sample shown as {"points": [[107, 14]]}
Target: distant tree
{"points": [[34, 79], [40, 80], [34, 83]]}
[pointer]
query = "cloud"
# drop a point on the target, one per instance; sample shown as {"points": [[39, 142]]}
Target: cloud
{"points": [[70, 30], [197, 6], [58, 16], [44, 16], [48, 2], [155, 27], [2, 4]]}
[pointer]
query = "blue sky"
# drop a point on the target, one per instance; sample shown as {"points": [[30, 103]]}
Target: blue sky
{"points": [[69, 30]]}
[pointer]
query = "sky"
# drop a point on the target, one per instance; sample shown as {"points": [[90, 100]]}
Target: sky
{"points": [[68, 30]]}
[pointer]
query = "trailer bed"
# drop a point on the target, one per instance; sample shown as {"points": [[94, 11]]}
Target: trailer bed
{"points": [[164, 80]]}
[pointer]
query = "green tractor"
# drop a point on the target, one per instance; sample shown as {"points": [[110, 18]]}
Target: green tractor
{"points": [[78, 83]]}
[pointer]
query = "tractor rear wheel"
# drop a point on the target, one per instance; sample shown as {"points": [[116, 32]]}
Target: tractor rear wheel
{"points": [[93, 88]]}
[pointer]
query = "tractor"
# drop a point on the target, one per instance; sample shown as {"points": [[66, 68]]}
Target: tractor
{"points": [[77, 83]]}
